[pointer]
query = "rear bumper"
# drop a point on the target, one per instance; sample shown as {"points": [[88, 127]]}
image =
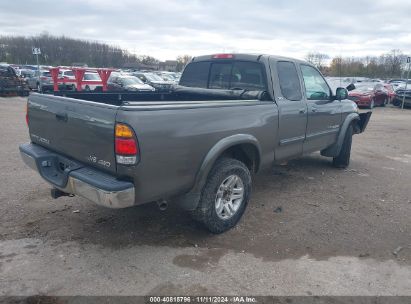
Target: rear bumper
{"points": [[99, 187]]}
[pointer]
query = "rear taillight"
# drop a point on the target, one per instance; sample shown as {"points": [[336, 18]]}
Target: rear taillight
{"points": [[223, 56], [126, 145]]}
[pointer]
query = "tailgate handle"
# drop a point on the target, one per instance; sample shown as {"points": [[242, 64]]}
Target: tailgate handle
{"points": [[62, 116]]}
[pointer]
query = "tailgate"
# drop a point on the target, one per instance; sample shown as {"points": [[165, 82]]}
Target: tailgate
{"points": [[79, 129]]}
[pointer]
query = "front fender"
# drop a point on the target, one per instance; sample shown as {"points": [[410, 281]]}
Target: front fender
{"points": [[190, 200]]}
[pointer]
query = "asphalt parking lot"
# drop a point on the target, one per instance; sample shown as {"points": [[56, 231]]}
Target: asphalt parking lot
{"points": [[310, 229]]}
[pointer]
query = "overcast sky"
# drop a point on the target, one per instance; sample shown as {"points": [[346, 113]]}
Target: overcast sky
{"points": [[167, 28]]}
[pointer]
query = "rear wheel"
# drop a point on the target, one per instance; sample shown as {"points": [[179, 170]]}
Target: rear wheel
{"points": [[343, 158], [225, 195]]}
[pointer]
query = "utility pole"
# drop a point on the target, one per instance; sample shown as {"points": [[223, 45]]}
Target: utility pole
{"points": [[406, 82]]}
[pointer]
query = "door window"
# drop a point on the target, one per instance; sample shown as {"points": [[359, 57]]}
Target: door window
{"points": [[316, 87], [289, 81]]}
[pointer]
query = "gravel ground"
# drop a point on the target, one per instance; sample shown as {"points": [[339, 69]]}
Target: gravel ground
{"points": [[310, 229]]}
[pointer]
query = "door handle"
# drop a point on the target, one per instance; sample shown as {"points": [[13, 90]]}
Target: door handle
{"points": [[313, 110], [301, 111], [62, 116]]}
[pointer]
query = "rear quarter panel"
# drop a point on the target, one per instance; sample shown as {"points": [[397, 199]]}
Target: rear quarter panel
{"points": [[174, 141]]}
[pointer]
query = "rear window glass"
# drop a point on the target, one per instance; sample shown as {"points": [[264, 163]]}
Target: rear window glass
{"points": [[249, 76], [225, 75], [220, 76], [195, 75], [289, 81]]}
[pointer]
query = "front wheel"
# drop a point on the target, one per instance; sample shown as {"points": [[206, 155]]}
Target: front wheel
{"points": [[343, 158], [225, 195]]}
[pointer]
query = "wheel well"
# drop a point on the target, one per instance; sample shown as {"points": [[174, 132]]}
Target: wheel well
{"points": [[356, 126], [246, 153]]}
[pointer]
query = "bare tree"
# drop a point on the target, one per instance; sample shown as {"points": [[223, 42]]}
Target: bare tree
{"points": [[182, 61]]}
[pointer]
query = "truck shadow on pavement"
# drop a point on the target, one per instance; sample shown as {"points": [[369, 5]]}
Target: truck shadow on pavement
{"points": [[305, 208]]}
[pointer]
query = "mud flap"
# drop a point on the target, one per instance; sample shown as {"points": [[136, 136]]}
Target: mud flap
{"points": [[363, 122]]}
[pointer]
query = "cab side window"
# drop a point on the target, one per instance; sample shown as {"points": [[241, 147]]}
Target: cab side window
{"points": [[289, 81], [316, 88]]}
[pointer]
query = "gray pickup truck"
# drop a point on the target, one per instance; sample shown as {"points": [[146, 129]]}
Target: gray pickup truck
{"points": [[231, 116]]}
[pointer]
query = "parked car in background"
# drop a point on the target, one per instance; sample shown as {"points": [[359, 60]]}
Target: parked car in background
{"points": [[369, 95], [128, 83], [399, 95], [41, 81], [26, 73], [91, 77], [398, 83], [169, 76], [10, 83], [391, 92], [154, 80], [68, 75]]}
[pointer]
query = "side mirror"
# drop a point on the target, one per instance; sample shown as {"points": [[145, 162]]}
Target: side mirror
{"points": [[350, 87], [341, 93]]}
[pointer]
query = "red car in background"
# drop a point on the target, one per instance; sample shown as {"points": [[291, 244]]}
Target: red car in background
{"points": [[391, 92], [369, 95]]}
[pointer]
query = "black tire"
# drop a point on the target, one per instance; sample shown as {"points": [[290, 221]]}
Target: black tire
{"points": [[343, 159], [385, 102], [206, 212]]}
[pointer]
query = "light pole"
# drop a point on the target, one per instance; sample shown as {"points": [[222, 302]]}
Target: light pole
{"points": [[37, 52], [406, 82]]}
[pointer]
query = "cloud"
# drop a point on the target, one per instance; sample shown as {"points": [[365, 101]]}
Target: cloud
{"points": [[165, 29]]}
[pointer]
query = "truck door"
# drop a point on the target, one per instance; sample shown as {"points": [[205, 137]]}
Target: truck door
{"points": [[324, 113], [292, 109]]}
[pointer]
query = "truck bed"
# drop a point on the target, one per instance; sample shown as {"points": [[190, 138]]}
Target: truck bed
{"points": [[174, 134]]}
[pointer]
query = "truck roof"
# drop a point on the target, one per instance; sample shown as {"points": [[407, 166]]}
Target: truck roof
{"points": [[243, 56]]}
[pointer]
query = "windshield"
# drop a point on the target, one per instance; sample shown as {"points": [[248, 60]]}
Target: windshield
{"points": [[131, 81], [91, 76], [363, 87], [153, 77], [46, 74], [167, 77]]}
